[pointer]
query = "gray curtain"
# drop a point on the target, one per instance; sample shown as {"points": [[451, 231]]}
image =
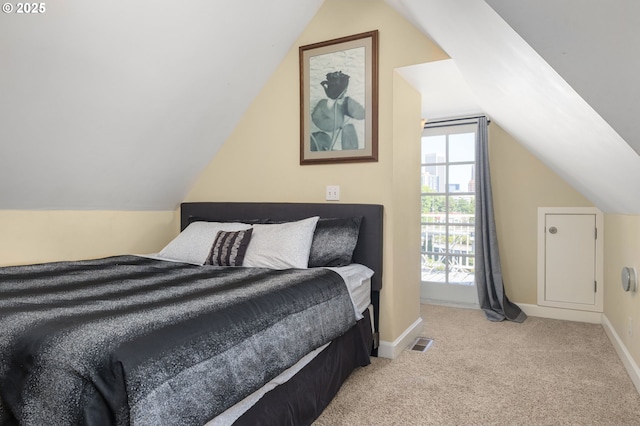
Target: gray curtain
{"points": [[491, 296]]}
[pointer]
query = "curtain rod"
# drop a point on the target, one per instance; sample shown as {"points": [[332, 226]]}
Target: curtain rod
{"points": [[451, 121]]}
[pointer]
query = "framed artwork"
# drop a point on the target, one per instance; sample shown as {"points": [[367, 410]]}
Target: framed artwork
{"points": [[339, 100]]}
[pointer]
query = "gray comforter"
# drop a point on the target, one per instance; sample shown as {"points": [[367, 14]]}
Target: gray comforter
{"points": [[131, 340]]}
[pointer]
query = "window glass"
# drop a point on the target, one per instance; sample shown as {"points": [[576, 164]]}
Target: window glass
{"points": [[448, 205], [462, 147]]}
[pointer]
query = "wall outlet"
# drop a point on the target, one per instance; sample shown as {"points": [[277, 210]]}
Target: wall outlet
{"points": [[333, 193], [630, 327]]}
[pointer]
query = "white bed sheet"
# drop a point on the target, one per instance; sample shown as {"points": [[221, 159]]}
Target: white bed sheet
{"points": [[358, 280]]}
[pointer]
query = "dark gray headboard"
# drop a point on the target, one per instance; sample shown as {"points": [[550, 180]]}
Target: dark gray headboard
{"points": [[368, 250]]}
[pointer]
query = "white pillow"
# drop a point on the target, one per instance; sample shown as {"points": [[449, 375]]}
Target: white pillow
{"points": [[194, 243], [282, 245]]}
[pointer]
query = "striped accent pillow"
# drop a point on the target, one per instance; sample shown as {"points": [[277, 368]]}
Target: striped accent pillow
{"points": [[229, 248]]}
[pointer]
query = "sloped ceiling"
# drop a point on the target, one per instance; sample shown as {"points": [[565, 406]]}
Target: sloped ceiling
{"points": [[593, 45], [555, 114], [120, 104]]}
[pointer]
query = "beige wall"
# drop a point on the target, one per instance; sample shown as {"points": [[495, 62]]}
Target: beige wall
{"points": [[46, 236], [622, 248], [260, 161], [404, 217], [521, 184]]}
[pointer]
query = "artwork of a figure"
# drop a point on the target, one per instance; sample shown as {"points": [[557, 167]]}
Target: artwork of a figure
{"points": [[333, 116]]}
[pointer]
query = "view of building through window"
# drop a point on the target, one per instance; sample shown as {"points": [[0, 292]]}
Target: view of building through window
{"points": [[448, 204]]}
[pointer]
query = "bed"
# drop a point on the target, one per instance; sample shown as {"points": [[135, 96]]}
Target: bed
{"points": [[162, 339]]}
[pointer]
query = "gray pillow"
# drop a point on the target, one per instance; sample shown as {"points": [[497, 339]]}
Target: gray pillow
{"points": [[334, 241]]}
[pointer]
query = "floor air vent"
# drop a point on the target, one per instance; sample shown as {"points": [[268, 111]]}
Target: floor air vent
{"points": [[421, 344]]}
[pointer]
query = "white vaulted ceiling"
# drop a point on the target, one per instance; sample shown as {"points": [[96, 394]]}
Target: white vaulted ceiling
{"points": [[578, 118], [593, 45], [121, 104]]}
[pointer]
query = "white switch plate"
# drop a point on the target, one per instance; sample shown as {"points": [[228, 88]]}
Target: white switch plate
{"points": [[333, 193]]}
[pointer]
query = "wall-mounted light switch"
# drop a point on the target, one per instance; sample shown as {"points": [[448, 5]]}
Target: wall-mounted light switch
{"points": [[333, 193]]}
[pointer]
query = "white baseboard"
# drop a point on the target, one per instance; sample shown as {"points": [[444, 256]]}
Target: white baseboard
{"points": [[533, 311], [449, 303], [626, 358], [393, 349], [561, 313]]}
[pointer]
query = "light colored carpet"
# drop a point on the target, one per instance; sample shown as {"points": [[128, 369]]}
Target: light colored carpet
{"points": [[477, 372]]}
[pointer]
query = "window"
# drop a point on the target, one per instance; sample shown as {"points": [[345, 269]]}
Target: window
{"points": [[448, 204]]}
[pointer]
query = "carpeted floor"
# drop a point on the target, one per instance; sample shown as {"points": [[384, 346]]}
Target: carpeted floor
{"points": [[540, 372]]}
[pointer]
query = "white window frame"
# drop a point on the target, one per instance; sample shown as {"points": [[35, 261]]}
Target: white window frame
{"points": [[448, 129]]}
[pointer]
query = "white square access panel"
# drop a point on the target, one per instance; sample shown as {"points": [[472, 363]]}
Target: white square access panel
{"points": [[570, 258]]}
